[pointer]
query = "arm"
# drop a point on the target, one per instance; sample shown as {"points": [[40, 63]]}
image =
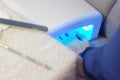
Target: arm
{"points": [[103, 62]]}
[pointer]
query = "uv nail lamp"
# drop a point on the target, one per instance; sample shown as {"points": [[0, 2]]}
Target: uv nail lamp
{"points": [[64, 18], [87, 25]]}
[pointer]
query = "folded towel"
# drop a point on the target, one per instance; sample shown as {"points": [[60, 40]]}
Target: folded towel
{"points": [[40, 47]]}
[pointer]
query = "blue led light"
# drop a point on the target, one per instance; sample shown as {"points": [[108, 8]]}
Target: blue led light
{"points": [[70, 36]]}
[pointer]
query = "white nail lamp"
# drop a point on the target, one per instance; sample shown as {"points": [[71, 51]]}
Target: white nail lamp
{"points": [[64, 18]]}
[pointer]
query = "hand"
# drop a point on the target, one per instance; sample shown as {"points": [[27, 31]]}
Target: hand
{"points": [[79, 44]]}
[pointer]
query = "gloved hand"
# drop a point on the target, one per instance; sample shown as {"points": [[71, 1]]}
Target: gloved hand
{"points": [[79, 44]]}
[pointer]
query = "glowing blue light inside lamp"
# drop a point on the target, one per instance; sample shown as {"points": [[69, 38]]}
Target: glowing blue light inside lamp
{"points": [[70, 36]]}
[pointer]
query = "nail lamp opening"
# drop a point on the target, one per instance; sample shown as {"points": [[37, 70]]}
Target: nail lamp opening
{"points": [[69, 36]]}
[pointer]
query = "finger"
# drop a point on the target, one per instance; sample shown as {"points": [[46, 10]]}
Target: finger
{"points": [[80, 36]]}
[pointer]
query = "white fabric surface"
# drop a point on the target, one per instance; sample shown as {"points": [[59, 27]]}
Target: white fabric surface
{"points": [[39, 46]]}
